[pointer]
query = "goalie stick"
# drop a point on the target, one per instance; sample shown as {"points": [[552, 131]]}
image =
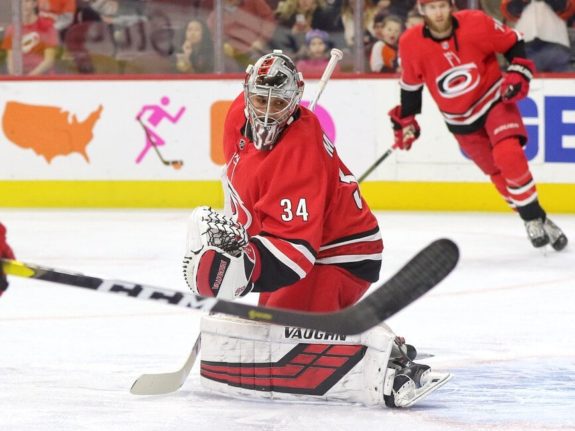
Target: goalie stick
{"points": [[424, 271], [419, 275], [162, 383]]}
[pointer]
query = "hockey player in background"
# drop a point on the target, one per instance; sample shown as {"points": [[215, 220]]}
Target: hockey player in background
{"points": [[454, 55], [298, 231], [5, 253]]}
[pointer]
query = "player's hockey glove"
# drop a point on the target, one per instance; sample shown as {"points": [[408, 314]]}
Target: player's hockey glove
{"points": [[406, 130], [515, 84], [220, 260], [5, 253]]}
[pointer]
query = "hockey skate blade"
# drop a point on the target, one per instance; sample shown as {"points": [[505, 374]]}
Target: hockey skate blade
{"points": [[430, 387]]}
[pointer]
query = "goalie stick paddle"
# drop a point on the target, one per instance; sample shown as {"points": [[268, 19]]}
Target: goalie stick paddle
{"points": [[418, 276], [164, 383]]}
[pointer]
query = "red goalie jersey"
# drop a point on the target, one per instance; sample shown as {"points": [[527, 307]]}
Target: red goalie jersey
{"points": [[299, 203], [462, 72]]}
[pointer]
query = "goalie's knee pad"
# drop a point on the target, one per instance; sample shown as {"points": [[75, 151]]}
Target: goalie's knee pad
{"points": [[250, 359]]}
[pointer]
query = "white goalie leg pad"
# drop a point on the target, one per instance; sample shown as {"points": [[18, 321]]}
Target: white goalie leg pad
{"points": [[243, 359]]}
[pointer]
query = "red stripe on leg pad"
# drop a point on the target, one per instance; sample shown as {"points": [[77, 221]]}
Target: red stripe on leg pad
{"points": [[306, 369]]}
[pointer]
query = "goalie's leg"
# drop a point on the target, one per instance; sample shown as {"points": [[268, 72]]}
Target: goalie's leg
{"points": [[257, 360]]}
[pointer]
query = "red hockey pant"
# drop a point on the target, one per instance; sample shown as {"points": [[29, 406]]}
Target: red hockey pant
{"points": [[325, 288], [496, 149]]}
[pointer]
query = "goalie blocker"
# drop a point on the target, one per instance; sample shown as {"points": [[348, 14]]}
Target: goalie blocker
{"points": [[243, 359]]}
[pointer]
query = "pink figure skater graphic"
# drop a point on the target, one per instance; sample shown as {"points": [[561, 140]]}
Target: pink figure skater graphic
{"points": [[153, 140]]}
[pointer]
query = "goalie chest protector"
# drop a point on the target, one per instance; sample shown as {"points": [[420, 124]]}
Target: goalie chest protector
{"points": [[241, 358]]}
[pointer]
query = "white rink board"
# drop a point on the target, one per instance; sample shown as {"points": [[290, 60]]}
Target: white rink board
{"points": [[358, 108]]}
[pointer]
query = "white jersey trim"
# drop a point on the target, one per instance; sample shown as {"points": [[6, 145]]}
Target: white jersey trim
{"points": [[374, 237], [522, 203], [520, 190], [409, 87], [346, 258]]}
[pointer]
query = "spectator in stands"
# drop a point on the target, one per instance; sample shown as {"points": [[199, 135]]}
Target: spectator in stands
{"points": [[39, 42], [492, 8], [383, 56], [382, 7], [61, 12], [197, 51], [248, 28], [347, 20], [413, 18], [295, 19], [543, 25], [401, 8], [317, 53]]}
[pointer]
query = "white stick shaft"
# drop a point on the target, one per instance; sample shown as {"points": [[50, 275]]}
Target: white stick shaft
{"points": [[336, 56]]}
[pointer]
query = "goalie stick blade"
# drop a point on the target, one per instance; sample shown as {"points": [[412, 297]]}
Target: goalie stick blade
{"points": [[164, 383], [418, 276]]}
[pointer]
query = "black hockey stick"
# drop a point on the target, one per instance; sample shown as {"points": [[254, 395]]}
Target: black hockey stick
{"points": [[418, 276], [176, 164], [375, 164]]}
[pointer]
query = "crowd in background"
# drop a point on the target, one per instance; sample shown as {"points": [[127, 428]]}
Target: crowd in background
{"points": [[181, 36]]}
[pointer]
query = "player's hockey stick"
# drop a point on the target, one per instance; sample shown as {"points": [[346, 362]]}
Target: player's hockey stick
{"points": [[380, 159], [335, 56], [162, 383], [375, 164], [176, 164], [419, 275]]}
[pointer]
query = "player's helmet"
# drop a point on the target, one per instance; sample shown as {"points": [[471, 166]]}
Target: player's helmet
{"points": [[272, 89]]}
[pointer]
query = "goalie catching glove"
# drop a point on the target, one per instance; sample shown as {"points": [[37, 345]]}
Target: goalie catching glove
{"points": [[220, 260], [405, 129]]}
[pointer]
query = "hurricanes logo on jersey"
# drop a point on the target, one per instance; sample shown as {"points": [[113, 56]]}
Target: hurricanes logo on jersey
{"points": [[239, 211], [458, 80]]}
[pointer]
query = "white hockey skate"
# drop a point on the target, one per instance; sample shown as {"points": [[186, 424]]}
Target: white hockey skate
{"points": [[536, 233], [541, 233], [557, 238], [414, 383], [411, 381]]}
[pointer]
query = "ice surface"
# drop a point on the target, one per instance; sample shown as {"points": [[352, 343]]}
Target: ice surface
{"points": [[502, 323]]}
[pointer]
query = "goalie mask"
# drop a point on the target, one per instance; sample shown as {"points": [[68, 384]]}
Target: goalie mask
{"points": [[272, 90]]}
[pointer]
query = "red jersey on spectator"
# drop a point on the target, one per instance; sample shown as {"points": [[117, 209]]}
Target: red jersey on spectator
{"points": [[307, 213], [462, 72], [57, 6], [36, 38]]}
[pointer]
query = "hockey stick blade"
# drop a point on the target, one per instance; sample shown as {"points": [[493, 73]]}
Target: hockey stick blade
{"points": [[164, 383], [418, 276]]}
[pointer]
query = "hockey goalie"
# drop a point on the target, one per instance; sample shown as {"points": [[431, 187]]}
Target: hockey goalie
{"points": [[295, 229]]}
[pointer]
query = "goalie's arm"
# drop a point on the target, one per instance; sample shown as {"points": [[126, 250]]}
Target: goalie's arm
{"points": [[222, 261]]}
